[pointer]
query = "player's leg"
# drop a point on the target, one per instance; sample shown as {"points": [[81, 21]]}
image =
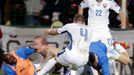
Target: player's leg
{"points": [[73, 58], [108, 41], [124, 57], [113, 69], [121, 57], [62, 58], [46, 67], [120, 54]]}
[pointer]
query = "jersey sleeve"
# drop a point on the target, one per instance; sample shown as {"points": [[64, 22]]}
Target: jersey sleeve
{"points": [[105, 66], [63, 29], [114, 6], [84, 4], [8, 70], [25, 52]]}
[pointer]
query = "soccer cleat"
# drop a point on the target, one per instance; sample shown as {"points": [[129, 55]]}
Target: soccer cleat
{"points": [[126, 45]]}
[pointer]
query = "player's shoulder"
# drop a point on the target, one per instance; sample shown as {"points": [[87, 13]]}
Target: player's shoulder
{"points": [[70, 24]]}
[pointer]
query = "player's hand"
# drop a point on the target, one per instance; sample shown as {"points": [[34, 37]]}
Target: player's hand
{"points": [[47, 31], [51, 31]]}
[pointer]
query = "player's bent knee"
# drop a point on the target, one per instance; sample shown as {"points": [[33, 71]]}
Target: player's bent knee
{"points": [[127, 61], [124, 60]]}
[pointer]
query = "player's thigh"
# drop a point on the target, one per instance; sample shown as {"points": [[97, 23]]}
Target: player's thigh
{"points": [[113, 55], [113, 68], [107, 39], [62, 58], [78, 59]]}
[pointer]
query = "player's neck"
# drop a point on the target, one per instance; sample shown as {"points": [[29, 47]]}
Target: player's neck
{"points": [[46, 48]]}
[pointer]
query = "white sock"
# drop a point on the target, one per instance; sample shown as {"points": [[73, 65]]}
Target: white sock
{"points": [[72, 72], [47, 67], [119, 48]]}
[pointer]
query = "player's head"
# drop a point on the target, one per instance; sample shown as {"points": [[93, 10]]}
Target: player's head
{"points": [[79, 19], [39, 43], [93, 59], [9, 58]]}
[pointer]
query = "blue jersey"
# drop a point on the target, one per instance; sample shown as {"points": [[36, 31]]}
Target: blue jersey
{"points": [[22, 53], [100, 50]]}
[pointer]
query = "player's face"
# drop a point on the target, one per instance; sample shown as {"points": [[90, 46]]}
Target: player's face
{"points": [[37, 44]]}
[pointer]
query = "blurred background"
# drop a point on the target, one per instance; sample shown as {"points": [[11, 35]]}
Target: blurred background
{"points": [[21, 20], [46, 12]]}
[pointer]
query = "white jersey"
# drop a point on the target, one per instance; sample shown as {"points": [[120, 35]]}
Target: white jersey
{"points": [[78, 35], [77, 52], [99, 11]]}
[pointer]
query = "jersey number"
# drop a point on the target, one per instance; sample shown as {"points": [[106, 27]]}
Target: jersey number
{"points": [[110, 41], [84, 32], [98, 12]]}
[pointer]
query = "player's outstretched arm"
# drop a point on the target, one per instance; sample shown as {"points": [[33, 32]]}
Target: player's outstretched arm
{"points": [[51, 32]]}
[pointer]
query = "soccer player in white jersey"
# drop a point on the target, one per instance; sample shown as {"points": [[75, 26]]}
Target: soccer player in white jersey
{"points": [[77, 51], [98, 20], [76, 54]]}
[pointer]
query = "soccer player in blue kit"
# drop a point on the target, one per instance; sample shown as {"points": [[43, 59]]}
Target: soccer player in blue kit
{"points": [[98, 57]]}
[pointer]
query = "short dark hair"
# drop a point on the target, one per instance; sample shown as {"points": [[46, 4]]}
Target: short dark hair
{"points": [[91, 58], [79, 17]]}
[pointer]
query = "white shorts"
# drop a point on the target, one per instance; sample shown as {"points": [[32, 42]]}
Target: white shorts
{"points": [[103, 36], [113, 55], [73, 57]]}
